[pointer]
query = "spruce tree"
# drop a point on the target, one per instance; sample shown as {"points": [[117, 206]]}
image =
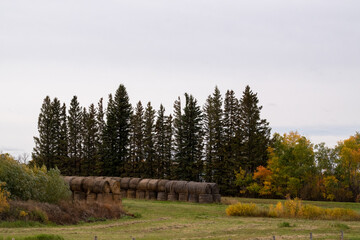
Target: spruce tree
{"points": [[161, 161], [254, 132], [90, 138], [168, 148], [64, 165], [116, 133], [100, 123], [149, 152], [136, 168], [43, 151], [75, 136], [189, 146], [231, 143], [214, 133]]}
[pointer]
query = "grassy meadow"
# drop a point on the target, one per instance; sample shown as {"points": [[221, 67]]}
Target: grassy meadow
{"points": [[178, 220]]}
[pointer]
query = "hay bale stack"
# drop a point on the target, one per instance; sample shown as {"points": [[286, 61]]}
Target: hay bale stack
{"points": [[173, 197], [116, 178], [140, 194], [151, 193], [124, 184], [142, 188], [77, 184], [162, 196], [199, 188], [91, 198], [104, 198], [161, 185], [88, 184], [133, 183], [169, 187], [79, 196], [181, 189], [217, 198], [153, 185], [131, 193], [114, 185], [68, 179], [117, 199], [180, 186], [194, 198], [96, 185], [123, 193], [205, 198], [143, 184], [214, 188]]}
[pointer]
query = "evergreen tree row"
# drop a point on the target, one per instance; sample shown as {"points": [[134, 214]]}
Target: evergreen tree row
{"points": [[193, 144]]}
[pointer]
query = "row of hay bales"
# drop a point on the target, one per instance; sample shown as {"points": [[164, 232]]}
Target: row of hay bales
{"points": [[101, 190], [172, 190], [113, 189]]}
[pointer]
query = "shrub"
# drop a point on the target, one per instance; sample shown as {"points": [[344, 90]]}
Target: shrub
{"points": [[4, 205], [32, 183], [245, 209], [284, 224], [293, 209]]}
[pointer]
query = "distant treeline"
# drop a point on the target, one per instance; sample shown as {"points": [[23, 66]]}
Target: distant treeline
{"points": [[225, 141], [193, 143]]}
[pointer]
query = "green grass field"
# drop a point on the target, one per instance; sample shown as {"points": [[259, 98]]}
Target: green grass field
{"points": [[177, 220]]}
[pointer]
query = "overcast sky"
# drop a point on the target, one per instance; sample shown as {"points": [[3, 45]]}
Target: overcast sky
{"points": [[301, 57]]}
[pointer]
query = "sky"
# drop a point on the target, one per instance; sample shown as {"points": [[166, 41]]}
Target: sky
{"points": [[302, 58]]}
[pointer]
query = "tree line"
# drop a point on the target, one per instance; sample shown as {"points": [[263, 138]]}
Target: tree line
{"points": [[298, 168], [194, 143]]}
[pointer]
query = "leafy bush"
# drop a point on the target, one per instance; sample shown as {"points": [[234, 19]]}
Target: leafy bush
{"points": [[4, 205], [32, 183], [245, 209]]}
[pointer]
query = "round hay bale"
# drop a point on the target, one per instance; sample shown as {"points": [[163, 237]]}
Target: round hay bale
{"points": [[205, 198], [124, 184], [68, 179], [116, 178], [123, 193], [161, 185], [173, 197], [131, 193], [169, 187], [134, 182], [117, 199], [199, 188], [114, 185], [161, 196], [217, 198], [194, 198], [214, 188], [90, 198], [153, 185], [150, 195], [180, 187], [79, 196], [104, 198], [101, 186], [183, 197], [143, 184], [76, 184], [88, 184], [140, 194]]}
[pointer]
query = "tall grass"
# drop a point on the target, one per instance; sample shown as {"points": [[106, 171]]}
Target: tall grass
{"points": [[292, 209]]}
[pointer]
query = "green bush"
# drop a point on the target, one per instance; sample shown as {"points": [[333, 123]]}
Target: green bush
{"points": [[35, 183]]}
